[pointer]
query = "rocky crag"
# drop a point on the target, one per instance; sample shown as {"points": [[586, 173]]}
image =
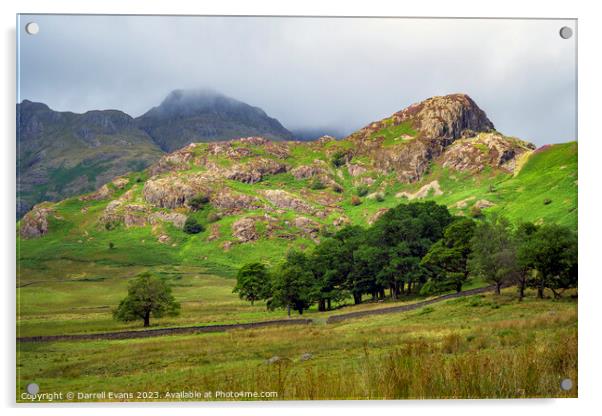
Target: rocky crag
{"points": [[254, 188]]}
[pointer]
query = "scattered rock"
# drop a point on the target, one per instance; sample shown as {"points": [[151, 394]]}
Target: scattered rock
{"points": [[174, 218], [163, 239], [101, 193], [423, 192], [483, 203], [232, 202], [341, 221], [463, 203], [308, 226], [306, 356], [121, 182], [35, 223], [244, 230], [282, 199], [356, 170], [274, 360]]}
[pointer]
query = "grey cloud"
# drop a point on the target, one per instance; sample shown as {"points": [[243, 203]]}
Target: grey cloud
{"points": [[336, 74]]}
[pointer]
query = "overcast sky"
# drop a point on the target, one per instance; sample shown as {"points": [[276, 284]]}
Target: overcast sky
{"points": [[323, 73]]}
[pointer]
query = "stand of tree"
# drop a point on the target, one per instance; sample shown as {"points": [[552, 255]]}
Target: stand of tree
{"points": [[416, 248]]}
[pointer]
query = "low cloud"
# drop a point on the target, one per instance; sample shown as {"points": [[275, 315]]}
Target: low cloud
{"points": [[311, 73]]}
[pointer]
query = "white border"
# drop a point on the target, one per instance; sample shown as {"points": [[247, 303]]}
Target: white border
{"points": [[590, 203]]}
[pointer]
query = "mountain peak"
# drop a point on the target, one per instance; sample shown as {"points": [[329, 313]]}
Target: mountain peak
{"points": [[200, 115], [443, 118]]}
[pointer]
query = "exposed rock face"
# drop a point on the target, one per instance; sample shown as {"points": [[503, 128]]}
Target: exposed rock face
{"points": [[178, 160], [231, 202], [174, 191], [35, 223], [284, 200], [244, 230], [448, 117], [438, 122], [120, 212], [120, 183], [308, 171], [254, 170], [423, 192], [486, 149], [174, 218], [356, 170], [135, 215], [308, 226]]}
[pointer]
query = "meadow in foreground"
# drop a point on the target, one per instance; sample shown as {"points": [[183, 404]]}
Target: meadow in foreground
{"points": [[483, 346]]}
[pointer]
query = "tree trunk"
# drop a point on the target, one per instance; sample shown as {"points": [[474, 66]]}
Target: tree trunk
{"points": [[498, 287], [147, 319], [540, 288], [288, 310], [521, 289], [321, 305], [328, 304], [252, 301], [357, 298], [458, 287]]}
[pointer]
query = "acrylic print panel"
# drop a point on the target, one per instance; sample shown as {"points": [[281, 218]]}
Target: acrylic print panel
{"points": [[279, 208]]}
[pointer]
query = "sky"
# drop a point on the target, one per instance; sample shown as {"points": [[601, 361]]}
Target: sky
{"points": [[330, 74]]}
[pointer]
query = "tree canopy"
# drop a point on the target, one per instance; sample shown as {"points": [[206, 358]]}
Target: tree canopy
{"points": [[147, 295]]}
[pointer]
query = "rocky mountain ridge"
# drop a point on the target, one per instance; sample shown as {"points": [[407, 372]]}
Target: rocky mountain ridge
{"points": [[255, 188], [61, 154]]}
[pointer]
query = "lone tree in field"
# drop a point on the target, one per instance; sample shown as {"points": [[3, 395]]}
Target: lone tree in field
{"points": [[252, 282], [147, 295]]}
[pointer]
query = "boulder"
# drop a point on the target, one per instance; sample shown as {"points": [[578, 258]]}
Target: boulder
{"points": [[285, 200], [174, 218], [244, 230], [174, 191], [231, 202], [483, 203], [34, 224]]}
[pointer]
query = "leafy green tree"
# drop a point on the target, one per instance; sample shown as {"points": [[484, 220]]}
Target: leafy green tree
{"points": [[447, 259], [252, 282], [552, 252], [403, 236], [292, 284], [192, 226], [493, 256], [147, 295], [523, 236], [344, 261], [330, 270]]}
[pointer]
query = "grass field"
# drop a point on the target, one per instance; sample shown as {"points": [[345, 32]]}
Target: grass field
{"points": [[474, 347], [82, 301]]}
